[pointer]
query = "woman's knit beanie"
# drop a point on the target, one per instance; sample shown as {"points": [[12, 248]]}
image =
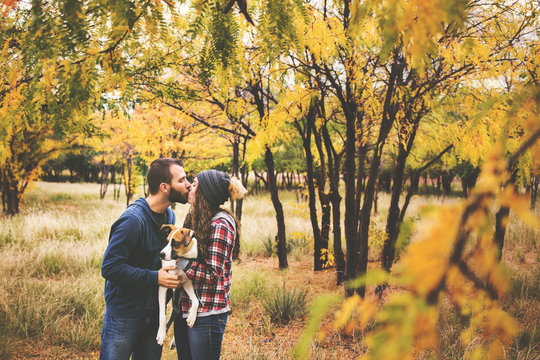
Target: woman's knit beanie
{"points": [[215, 186]]}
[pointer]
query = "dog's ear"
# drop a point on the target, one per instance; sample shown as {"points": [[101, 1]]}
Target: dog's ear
{"points": [[166, 229]]}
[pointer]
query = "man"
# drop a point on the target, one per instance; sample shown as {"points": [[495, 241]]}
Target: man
{"points": [[131, 266]]}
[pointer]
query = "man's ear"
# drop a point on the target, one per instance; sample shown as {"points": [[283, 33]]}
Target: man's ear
{"points": [[166, 229], [164, 187]]}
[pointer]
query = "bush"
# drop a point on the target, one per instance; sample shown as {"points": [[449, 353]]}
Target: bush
{"points": [[286, 305], [269, 248], [248, 289]]}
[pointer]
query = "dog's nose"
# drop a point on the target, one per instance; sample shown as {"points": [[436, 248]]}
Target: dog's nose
{"points": [[162, 255]]}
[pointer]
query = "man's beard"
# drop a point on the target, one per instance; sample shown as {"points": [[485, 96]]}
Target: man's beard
{"points": [[177, 197]]}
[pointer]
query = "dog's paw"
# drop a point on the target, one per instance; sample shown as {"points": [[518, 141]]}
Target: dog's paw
{"points": [[160, 338], [173, 344]]}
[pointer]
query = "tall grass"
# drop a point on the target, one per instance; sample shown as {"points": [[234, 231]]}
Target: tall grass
{"points": [[51, 290]]}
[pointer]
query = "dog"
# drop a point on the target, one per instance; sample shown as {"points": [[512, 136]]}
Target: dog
{"points": [[180, 244]]}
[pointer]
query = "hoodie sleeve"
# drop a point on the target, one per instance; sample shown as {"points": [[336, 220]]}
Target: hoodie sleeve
{"points": [[125, 234]]}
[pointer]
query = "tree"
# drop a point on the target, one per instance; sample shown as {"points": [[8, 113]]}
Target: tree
{"points": [[58, 58]]}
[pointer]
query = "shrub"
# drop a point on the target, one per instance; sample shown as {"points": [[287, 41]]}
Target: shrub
{"points": [[299, 242], [247, 289], [286, 305], [268, 247]]}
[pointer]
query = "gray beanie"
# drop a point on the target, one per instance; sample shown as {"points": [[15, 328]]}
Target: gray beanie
{"points": [[214, 185]]}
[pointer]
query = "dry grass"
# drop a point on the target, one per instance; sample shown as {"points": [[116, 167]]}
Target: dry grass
{"points": [[51, 291]]}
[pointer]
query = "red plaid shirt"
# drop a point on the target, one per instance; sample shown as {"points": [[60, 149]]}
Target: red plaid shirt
{"points": [[212, 279]]}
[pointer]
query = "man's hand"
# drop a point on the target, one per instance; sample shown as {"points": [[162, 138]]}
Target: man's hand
{"points": [[168, 280]]}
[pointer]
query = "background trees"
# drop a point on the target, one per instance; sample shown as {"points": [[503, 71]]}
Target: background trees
{"points": [[358, 96], [58, 61], [356, 81]]}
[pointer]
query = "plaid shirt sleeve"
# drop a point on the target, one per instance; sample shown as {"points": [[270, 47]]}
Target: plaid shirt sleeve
{"points": [[219, 253]]}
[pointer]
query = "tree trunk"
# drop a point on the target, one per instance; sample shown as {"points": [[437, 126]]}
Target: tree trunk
{"points": [[238, 213], [104, 181], [447, 178], [12, 200], [334, 165], [4, 199], [127, 179], [389, 114], [278, 207], [360, 181], [235, 167], [335, 198], [324, 200], [534, 190], [306, 142], [10, 192], [351, 215], [501, 220], [389, 247], [376, 196], [392, 221]]}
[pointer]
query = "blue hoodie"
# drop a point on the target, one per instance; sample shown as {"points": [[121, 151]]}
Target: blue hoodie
{"points": [[131, 262]]}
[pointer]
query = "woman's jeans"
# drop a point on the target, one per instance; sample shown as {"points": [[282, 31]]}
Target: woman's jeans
{"points": [[203, 340], [122, 337]]}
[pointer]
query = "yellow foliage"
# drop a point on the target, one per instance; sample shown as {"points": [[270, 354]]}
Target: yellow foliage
{"points": [[454, 257], [355, 314], [327, 258], [433, 249]]}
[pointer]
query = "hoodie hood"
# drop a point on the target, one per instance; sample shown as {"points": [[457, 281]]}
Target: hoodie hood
{"points": [[143, 205]]}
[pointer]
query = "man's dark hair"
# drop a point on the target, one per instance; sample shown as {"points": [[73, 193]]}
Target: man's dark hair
{"points": [[159, 172]]}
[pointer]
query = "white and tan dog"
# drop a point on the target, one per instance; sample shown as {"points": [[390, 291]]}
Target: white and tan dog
{"points": [[181, 244]]}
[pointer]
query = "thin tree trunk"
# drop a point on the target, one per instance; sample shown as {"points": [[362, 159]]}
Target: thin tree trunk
{"points": [[360, 180], [104, 181], [234, 169], [351, 215], [324, 200], [305, 133], [280, 219], [534, 190], [334, 162], [501, 221], [389, 248], [389, 113]]}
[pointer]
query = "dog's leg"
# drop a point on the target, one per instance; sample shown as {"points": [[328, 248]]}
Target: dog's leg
{"points": [[162, 331], [192, 315]]}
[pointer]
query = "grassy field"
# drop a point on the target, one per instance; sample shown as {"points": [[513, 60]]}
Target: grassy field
{"points": [[51, 290]]}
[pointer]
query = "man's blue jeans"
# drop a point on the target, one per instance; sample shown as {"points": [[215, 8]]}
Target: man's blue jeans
{"points": [[122, 337], [203, 340]]}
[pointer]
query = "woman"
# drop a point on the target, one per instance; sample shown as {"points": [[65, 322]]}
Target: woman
{"points": [[218, 234]]}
